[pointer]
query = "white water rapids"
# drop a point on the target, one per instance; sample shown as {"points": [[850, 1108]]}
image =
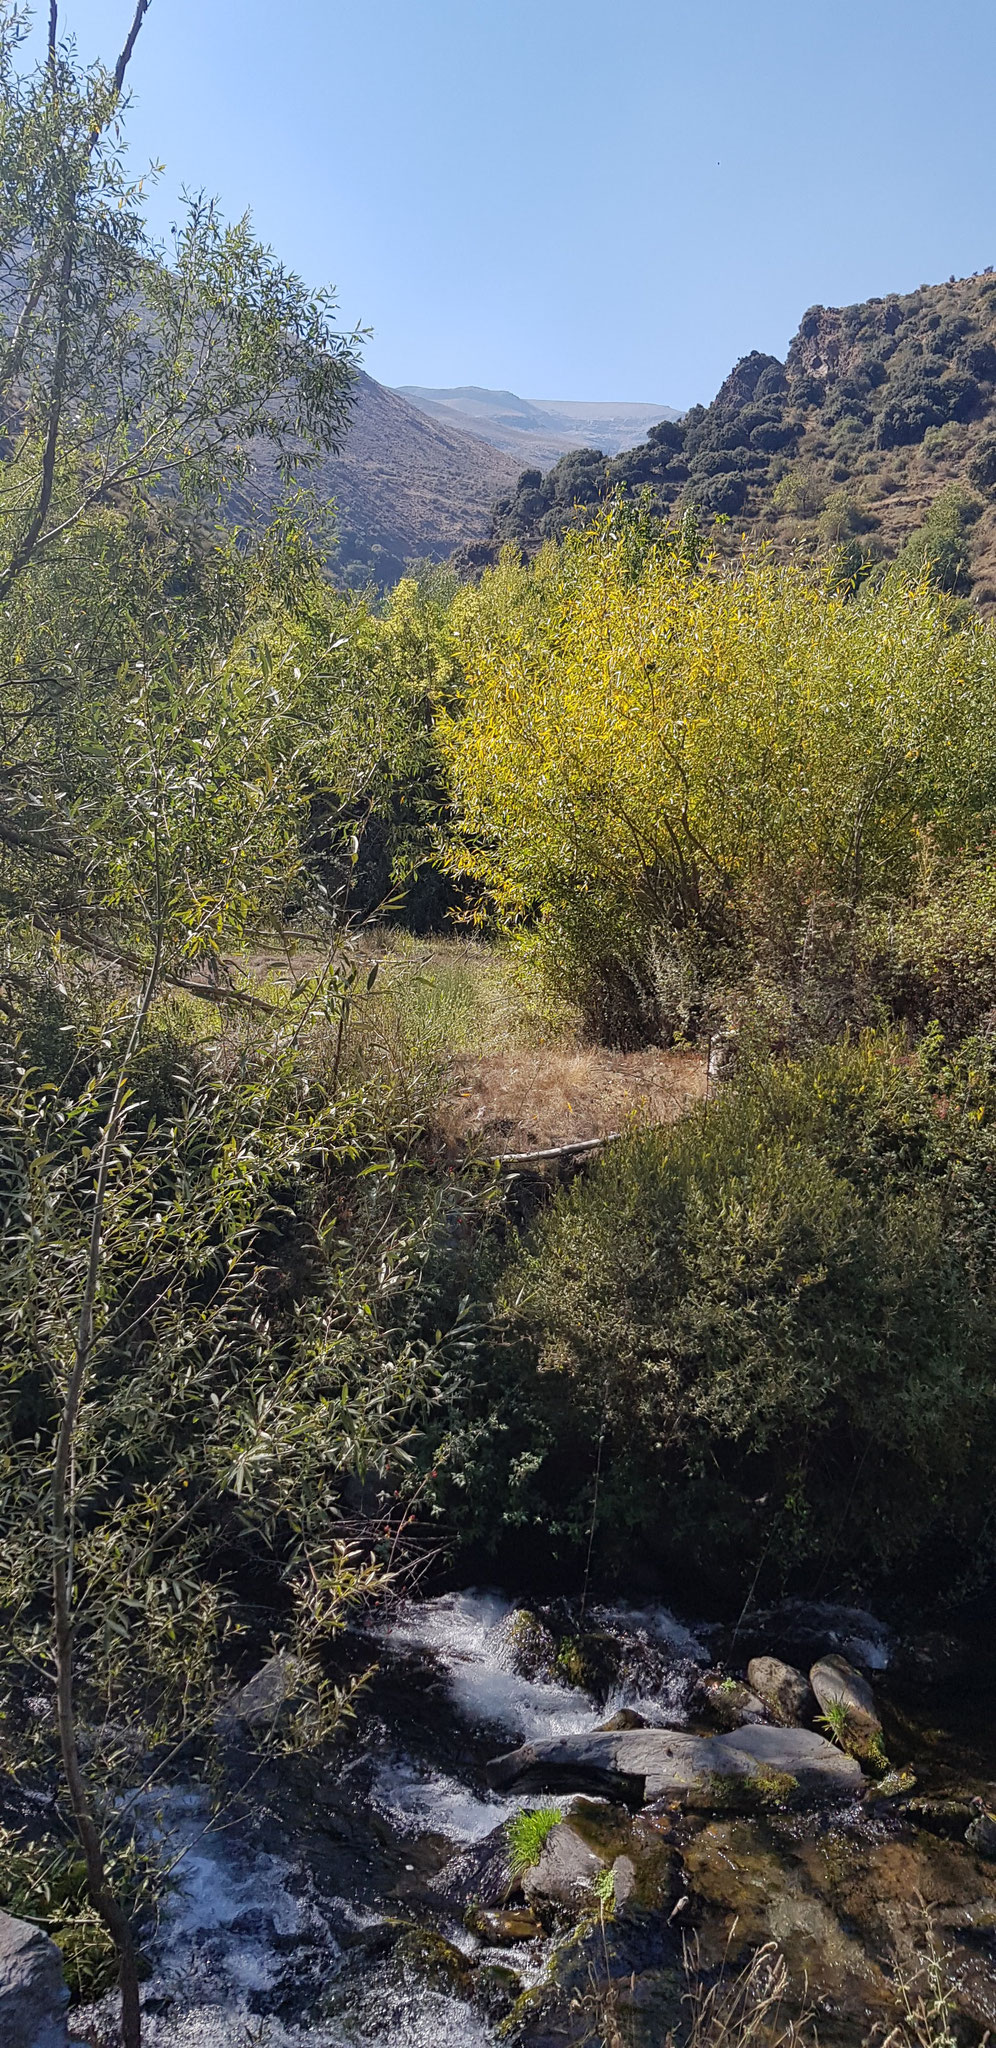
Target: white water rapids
{"points": [[242, 1927]]}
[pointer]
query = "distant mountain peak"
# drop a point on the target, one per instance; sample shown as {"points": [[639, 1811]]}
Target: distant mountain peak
{"points": [[537, 429]]}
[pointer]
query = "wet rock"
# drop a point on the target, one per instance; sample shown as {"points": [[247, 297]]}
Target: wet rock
{"points": [[759, 1765], [730, 1702], [847, 1700], [786, 1692], [435, 1960], [620, 1981], [571, 1764], [589, 1660], [33, 1993], [894, 1785], [948, 1817], [627, 1717], [503, 1926], [733, 1865], [531, 1646], [890, 1891], [636, 1848], [981, 1832], [623, 1881], [565, 1871], [279, 1689], [496, 1990], [739, 1874], [479, 1875]]}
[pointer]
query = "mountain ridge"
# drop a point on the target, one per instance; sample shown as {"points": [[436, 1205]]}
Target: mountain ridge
{"points": [[537, 429]]}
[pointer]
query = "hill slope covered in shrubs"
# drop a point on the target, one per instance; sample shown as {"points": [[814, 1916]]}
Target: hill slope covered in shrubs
{"points": [[877, 434]]}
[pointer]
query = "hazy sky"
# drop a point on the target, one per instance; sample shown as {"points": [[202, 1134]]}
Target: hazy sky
{"points": [[572, 199]]}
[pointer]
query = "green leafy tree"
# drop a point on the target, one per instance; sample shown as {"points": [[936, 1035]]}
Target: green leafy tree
{"points": [[126, 365], [153, 819]]}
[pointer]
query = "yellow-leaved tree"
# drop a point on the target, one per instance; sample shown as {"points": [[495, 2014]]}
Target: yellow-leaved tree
{"points": [[651, 751]]}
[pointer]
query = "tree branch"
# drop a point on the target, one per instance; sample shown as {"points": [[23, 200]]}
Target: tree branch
{"points": [[125, 58]]}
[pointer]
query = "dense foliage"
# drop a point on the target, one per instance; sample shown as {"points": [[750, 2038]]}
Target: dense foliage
{"points": [[757, 1347], [655, 760]]}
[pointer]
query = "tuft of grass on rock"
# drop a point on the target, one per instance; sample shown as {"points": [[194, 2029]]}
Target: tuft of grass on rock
{"points": [[527, 1833]]}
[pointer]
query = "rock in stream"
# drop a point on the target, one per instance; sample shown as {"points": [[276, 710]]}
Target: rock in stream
{"points": [[750, 1766]]}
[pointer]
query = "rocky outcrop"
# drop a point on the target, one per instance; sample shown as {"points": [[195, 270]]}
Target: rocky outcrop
{"points": [[786, 1692], [750, 1766], [33, 1994]]}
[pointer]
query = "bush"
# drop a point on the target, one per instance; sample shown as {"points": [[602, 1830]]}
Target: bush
{"points": [[940, 549], [780, 1314], [801, 492], [982, 468]]}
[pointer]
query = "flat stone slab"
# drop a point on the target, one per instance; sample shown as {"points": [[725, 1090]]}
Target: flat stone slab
{"points": [[748, 1767]]}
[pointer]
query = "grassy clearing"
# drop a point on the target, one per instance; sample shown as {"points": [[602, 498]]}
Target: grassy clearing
{"points": [[467, 1036]]}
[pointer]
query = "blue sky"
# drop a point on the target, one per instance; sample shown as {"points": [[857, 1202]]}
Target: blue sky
{"points": [[571, 199]]}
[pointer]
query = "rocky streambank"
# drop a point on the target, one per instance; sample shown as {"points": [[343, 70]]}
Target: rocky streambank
{"points": [[539, 1827]]}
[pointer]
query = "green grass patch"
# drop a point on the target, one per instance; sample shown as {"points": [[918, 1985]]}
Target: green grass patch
{"points": [[527, 1832]]}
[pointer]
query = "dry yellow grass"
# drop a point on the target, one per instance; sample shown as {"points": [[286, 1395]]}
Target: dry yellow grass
{"points": [[462, 1036]]}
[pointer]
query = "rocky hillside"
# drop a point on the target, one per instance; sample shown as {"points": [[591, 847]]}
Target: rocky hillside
{"points": [[404, 486], [878, 432]]}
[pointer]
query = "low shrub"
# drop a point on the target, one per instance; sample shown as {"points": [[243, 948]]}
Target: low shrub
{"points": [[778, 1314]]}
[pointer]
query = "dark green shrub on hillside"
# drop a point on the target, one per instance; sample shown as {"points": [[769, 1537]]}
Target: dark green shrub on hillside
{"points": [[719, 496], [919, 398], [982, 468], [781, 1313], [940, 548]]}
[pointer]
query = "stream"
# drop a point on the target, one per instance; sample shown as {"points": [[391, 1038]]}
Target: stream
{"points": [[325, 1899]]}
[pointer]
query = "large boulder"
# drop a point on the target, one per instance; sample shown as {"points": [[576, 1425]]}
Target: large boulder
{"points": [[847, 1701], [786, 1692], [749, 1766], [33, 1993]]}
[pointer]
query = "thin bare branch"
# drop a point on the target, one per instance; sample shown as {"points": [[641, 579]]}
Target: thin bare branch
{"points": [[125, 58]]}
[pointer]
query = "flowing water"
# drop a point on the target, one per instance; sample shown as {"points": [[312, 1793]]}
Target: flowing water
{"points": [[281, 1926]]}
